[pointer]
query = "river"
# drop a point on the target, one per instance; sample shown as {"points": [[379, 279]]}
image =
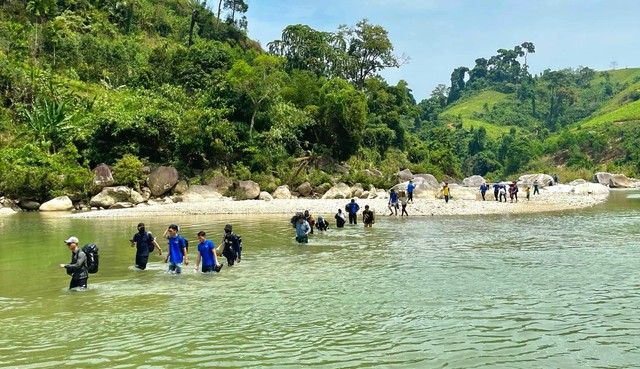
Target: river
{"points": [[536, 290]]}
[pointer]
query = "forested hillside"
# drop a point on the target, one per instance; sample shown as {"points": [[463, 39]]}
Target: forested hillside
{"points": [[139, 82]]}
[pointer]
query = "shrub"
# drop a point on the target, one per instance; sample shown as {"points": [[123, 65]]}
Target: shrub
{"points": [[128, 171]]}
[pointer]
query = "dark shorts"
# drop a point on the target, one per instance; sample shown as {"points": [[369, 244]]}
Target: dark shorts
{"points": [[302, 239], [207, 268], [141, 262], [75, 283]]}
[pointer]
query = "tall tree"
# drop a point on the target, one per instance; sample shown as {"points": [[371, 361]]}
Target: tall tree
{"points": [[366, 50], [259, 82]]}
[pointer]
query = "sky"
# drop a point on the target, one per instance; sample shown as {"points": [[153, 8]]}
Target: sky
{"points": [[440, 35]]}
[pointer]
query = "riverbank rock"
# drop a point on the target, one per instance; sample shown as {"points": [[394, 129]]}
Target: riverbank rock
{"points": [[590, 189], [529, 179], [200, 193], [102, 177], [222, 184], [61, 203], [473, 181], [282, 192], [7, 211], [162, 179], [372, 173], [247, 190], [427, 179], [621, 181], [322, 189], [136, 198], [29, 204], [602, 178], [181, 187], [111, 195], [404, 175], [265, 196], [577, 182], [305, 189], [339, 191], [357, 190]]}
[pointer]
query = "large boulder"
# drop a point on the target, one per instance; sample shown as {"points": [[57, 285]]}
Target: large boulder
{"points": [[339, 191], [222, 184], [529, 179], [7, 211], [102, 177], [282, 192], [247, 190], [577, 182], [305, 189], [473, 181], [29, 204], [404, 175], [181, 187], [427, 179], [111, 195], [162, 179], [602, 178], [621, 181], [357, 190], [590, 189], [136, 197], [199, 193], [61, 203]]}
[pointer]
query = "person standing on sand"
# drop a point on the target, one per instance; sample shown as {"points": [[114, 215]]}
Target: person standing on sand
{"points": [[483, 190], [446, 192], [536, 184], [410, 188], [555, 178], [528, 191], [339, 217], [496, 190], [368, 217]]}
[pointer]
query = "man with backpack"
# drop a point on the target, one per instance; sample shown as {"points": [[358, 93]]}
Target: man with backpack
{"points": [[231, 246], [177, 250], [145, 244], [77, 268]]}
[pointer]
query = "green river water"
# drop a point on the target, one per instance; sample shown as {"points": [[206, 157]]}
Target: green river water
{"points": [[555, 290]]}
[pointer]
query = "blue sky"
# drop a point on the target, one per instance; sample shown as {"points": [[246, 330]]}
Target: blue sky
{"points": [[441, 35]]}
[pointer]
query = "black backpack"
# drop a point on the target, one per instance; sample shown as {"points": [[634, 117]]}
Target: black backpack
{"points": [[150, 239], [91, 250], [183, 242]]}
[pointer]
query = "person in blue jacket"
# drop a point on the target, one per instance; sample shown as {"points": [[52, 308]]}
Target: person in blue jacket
{"points": [[410, 188], [352, 208]]}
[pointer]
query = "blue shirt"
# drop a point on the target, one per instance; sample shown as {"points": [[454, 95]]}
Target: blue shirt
{"points": [[302, 229], [353, 207], [175, 249], [410, 187], [393, 197], [205, 248]]}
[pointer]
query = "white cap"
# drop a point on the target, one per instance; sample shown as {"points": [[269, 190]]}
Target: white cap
{"points": [[72, 239]]}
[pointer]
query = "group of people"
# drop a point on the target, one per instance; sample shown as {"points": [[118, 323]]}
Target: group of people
{"points": [[176, 255], [500, 190], [304, 222]]}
